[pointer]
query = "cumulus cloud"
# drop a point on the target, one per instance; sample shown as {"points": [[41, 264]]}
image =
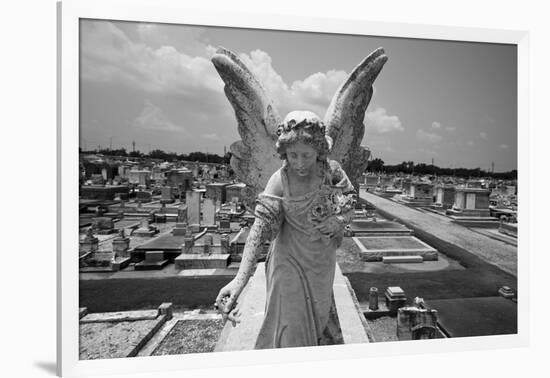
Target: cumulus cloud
{"points": [[470, 143], [503, 146], [450, 129], [156, 63], [313, 93], [380, 122], [436, 125], [109, 55], [426, 136], [483, 135], [153, 118]]}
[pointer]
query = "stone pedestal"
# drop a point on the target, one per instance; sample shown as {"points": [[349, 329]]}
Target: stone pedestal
{"points": [[146, 229], [373, 299], [121, 245], [180, 229], [395, 299]]}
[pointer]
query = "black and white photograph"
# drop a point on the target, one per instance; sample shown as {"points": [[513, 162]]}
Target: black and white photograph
{"points": [[244, 189]]}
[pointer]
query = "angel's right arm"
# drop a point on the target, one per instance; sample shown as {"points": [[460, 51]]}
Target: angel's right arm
{"points": [[266, 226]]}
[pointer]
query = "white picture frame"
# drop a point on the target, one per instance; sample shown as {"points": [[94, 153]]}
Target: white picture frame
{"points": [[165, 11]]}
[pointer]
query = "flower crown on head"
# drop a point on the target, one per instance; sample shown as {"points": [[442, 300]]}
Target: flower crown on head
{"points": [[307, 123]]}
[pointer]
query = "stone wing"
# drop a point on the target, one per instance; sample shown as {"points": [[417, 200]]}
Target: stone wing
{"points": [[254, 158], [346, 112]]}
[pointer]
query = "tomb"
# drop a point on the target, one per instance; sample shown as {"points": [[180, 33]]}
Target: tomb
{"points": [[419, 195], [103, 225], [234, 192], [202, 261], [145, 229], [105, 193], [166, 195], [444, 196], [154, 260], [182, 179], [140, 177], [371, 182], [216, 191], [375, 227], [209, 251], [375, 248], [471, 208]]}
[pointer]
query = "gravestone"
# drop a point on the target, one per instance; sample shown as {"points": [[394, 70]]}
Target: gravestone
{"points": [[166, 195], [208, 244], [193, 202], [209, 212]]}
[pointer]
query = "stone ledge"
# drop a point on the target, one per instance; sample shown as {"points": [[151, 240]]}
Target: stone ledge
{"points": [[252, 307]]}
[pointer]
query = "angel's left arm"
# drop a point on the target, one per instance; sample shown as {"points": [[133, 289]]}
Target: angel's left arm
{"points": [[341, 180]]}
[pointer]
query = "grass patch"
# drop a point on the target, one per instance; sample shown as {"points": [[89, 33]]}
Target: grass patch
{"points": [[191, 336]]}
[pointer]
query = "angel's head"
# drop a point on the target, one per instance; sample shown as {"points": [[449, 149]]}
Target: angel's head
{"points": [[303, 128]]}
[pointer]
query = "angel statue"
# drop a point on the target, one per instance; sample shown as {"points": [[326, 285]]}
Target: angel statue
{"points": [[302, 204]]}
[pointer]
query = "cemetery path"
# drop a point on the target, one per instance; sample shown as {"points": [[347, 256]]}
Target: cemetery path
{"points": [[490, 250]]}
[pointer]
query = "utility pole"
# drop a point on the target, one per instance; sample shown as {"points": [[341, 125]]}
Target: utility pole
{"points": [[133, 146], [110, 143]]}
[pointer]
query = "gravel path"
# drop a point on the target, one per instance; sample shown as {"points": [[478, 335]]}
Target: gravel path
{"points": [[493, 251]]}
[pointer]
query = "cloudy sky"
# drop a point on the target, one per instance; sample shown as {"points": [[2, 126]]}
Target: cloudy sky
{"points": [[154, 83]]}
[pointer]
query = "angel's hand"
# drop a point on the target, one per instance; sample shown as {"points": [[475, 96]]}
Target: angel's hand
{"points": [[226, 302]]}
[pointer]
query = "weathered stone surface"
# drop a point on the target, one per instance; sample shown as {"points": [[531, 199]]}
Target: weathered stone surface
{"points": [[200, 261], [257, 122], [254, 157], [193, 202], [209, 212], [346, 112]]}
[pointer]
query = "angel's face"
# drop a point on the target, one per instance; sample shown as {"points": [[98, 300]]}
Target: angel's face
{"points": [[302, 158]]}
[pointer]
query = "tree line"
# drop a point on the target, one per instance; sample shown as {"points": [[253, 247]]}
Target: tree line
{"points": [[165, 156], [409, 167]]}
